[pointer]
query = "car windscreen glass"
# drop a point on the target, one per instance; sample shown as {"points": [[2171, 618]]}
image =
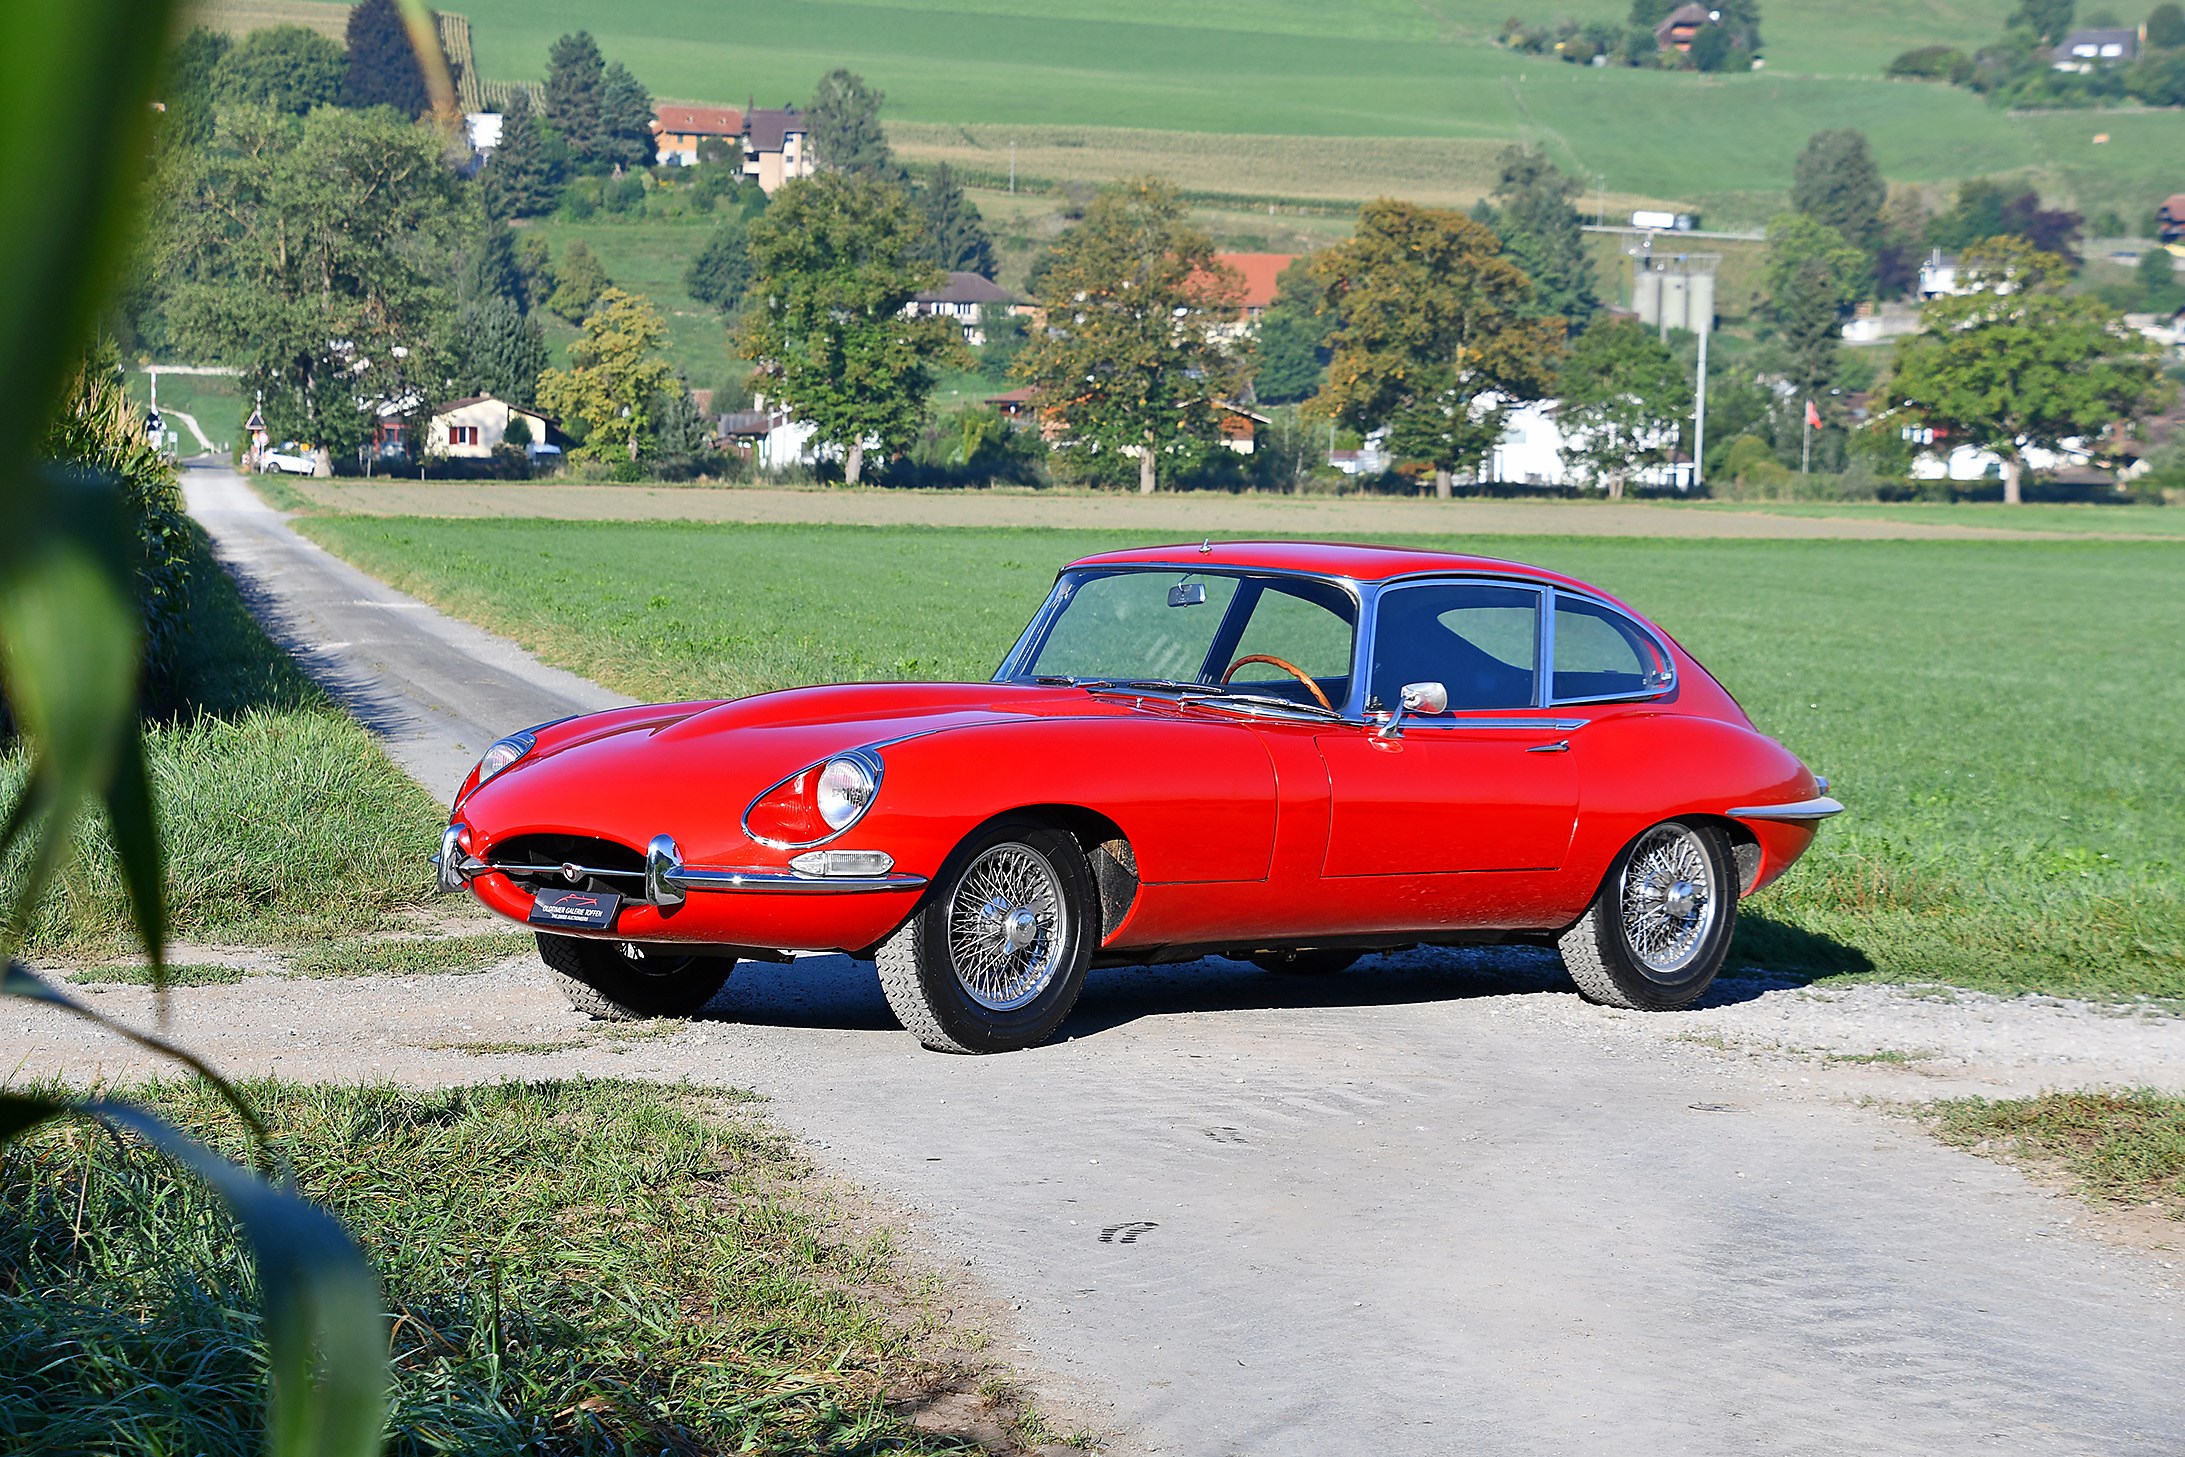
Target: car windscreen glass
{"points": [[1189, 626], [1600, 653], [1477, 639]]}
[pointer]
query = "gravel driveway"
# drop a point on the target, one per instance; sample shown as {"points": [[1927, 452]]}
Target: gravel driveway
{"points": [[1434, 1205]]}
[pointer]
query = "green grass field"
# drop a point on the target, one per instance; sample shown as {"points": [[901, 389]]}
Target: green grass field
{"points": [[215, 399], [2102, 520], [2001, 717], [590, 1267], [1289, 99]]}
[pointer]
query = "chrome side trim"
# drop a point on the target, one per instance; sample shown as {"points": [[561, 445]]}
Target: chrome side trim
{"points": [[1818, 808], [703, 878], [1560, 725]]}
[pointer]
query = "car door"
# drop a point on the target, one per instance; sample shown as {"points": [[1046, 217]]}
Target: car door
{"points": [[1490, 784]]}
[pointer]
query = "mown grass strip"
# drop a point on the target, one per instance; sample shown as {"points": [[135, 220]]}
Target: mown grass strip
{"points": [[193, 974], [411, 955], [571, 1267], [2121, 1148]]}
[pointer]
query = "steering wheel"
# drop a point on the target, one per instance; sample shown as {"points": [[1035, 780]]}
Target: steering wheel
{"points": [[1286, 666]]}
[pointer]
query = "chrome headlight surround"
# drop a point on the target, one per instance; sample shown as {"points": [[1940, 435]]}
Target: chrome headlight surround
{"points": [[842, 788], [503, 752]]}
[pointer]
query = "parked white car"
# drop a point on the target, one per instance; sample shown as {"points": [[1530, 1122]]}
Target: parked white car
{"points": [[275, 462]]}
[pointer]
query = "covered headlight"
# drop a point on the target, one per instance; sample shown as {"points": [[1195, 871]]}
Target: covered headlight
{"points": [[503, 753], [817, 802]]}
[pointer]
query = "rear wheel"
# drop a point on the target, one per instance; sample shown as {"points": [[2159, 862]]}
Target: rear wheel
{"points": [[1660, 927], [622, 981], [994, 958], [1325, 961]]}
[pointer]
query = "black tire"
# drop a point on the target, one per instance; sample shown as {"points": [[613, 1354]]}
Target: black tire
{"points": [[984, 989], [1645, 944], [621, 981], [1324, 961]]}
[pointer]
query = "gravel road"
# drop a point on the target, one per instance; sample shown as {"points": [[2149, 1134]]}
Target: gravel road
{"points": [[1436, 1205]]}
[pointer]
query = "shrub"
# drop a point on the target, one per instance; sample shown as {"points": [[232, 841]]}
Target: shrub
{"points": [[1932, 63]]}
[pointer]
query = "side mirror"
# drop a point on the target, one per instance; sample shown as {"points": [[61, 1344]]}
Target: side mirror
{"points": [[1415, 698], [1187, 594]]}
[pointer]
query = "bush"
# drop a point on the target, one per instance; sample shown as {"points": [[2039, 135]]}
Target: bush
{"points": [[1932, 63]]}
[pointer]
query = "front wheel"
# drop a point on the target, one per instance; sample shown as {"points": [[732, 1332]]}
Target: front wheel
{"points": [[994, 958], [622, 981], [1660, 927]]}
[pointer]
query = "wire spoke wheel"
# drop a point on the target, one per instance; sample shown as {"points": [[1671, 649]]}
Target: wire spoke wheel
{"points": [[1008, 922], [1668, 899]]}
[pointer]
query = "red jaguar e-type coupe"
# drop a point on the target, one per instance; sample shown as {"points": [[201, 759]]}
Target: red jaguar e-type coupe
{"points": [[1290, 752]]}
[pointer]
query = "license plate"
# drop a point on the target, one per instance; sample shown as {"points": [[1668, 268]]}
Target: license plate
{"points": [[588, 910]]}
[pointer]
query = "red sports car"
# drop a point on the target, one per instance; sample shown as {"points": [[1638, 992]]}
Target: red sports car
{"points": [[1289, 752]]}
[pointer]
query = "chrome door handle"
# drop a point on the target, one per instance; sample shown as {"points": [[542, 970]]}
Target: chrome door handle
{"points": [[1560, 746]]}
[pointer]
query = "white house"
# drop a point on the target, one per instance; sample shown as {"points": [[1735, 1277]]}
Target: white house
{"points": [[769, 438], [971, 299], [483, 128], [1533, 441], [1938, 460], [471, 428]]}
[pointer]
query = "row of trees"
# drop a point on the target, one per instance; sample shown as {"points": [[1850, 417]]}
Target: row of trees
{"points": [[2017, 70], [1731, 38]]}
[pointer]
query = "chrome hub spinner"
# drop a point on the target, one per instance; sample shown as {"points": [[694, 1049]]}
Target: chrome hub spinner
{"points": [[1007, 927]]}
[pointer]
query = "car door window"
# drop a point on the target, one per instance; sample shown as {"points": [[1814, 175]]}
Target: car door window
{"points": [[1600, 653], [1122, 626], [1478, 640]]}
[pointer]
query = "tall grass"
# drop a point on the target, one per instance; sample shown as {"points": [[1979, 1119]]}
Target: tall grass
{"points": [[571, 1268], [2000, 716], [284, 823]]}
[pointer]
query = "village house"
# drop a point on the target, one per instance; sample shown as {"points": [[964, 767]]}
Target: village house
{"points": [[1533, 441], [1679, 26], [777, 147], [971, 299], [2083, 50], [1239, 425], [474, 427], [770, 438], [679, 130], [2170, 219], [1260, 272]]}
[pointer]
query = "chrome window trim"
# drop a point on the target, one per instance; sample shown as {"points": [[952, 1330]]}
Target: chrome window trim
{"points": [[1669, 658], [1479, 720], [863, 754]]}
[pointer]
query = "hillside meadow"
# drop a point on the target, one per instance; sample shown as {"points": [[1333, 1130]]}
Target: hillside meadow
{"points": [[2008, 753]]}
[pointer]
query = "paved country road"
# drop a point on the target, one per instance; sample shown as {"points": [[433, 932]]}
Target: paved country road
{"points": [[1437, 1205]]}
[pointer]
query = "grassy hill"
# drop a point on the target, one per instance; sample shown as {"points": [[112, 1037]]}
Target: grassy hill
{"points": [[1298, 99]]}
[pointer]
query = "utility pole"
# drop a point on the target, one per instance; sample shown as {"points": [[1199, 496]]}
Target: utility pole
{"points": [[1699, 414]]}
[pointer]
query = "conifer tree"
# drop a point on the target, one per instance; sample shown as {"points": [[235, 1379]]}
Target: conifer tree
{"points": [[845, 120], [383, 69], [575, 81], [626, 117], [956, 237], [523, 180]]}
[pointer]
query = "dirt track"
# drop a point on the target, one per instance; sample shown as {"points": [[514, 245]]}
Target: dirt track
{"points": [[1331, 517]]}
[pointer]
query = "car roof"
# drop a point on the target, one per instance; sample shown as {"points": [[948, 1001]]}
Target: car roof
{"points": [[1326, 558]]}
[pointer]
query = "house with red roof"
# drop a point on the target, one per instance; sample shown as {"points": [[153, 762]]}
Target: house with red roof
{"points": [[678, 130]]}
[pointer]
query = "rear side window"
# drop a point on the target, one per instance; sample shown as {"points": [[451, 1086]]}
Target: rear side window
{"points": [[1478, 640], [1600, 653]]}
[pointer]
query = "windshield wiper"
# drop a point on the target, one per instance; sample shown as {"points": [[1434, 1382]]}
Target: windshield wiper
{"points": [[1225, 695]]}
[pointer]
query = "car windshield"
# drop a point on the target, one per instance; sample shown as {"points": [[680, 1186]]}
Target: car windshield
{"points": [[1198, 629]]}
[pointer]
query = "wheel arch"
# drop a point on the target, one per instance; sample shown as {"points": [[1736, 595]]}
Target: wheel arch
{"points": [[1107, 851]]}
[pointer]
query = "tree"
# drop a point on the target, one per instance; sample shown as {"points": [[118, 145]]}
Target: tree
{"points": [[2158, 282], [721, 272], [1624, 398], [383, 69], [615, 380], [490, 269], [2048, 19], [2166, 26], [579, 283], [1711, 48], [1813, 277], [310, 252], [1903, 248], [681, 433], [1741, 18], [186, 86], [626, 118], [956, 237], [1836, 182], [2016, 363], [1436, 335], [575, 103], [2052, 230], [845, 134], [1543, 234], [285, 67], [497, 351], [835, 261], [1134, 359], [1976, 213], [2158, 77], [1288, 366], [535, 261], [523, 178]]}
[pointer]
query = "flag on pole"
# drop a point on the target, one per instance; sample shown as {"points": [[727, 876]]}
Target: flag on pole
{"points": [[1813, 417]]}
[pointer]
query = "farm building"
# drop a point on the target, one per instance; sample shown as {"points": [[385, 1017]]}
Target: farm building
{"points": [[678, 130], [1679, 26], [2084, 50], [2170, 219], [777, 147]]}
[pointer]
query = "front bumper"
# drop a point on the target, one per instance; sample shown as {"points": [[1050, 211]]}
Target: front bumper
{"points": [[666, 881]]}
